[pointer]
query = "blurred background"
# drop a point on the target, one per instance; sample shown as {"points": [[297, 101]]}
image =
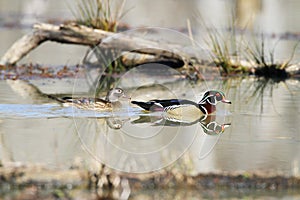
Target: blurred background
{"points": [[276, 18]]}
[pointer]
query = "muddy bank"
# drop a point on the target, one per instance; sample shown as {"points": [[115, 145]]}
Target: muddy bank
{"points": [[35, 181]]}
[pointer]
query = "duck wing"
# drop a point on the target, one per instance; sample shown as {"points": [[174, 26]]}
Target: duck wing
{"points": [[149, 105], [162, 104], [82, 100]]}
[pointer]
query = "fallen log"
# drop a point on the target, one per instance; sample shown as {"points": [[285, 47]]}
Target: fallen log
{"points": [[71, 34], [131, 50], [82, 35]]}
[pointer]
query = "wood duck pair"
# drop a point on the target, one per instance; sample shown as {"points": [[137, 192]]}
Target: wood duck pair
{"points": [[184, 107], [206, 105]]}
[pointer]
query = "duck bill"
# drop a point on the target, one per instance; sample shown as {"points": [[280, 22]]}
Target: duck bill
{"points": [[125, 97], [226, 101], [224, 126]]}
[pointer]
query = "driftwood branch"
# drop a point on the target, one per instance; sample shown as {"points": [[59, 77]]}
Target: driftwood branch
{"points": [[71, 34], [82, 35], [19, 49]]}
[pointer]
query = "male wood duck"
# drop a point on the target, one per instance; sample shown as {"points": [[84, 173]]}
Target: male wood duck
{"points": [[177, 107], [98, 104]]}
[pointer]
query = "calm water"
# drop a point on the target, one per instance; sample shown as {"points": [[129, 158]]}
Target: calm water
{"points": [[263, 136]]}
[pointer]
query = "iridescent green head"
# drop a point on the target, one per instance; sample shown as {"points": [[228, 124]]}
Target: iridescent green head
{"points": [[213, 97]]}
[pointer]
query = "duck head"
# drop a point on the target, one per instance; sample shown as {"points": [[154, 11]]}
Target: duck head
{"points": [[213, 97], [115, 94], [210, 99], [213, 128]]}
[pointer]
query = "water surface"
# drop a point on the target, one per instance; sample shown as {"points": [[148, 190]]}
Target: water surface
{"points": [[263, 136]]}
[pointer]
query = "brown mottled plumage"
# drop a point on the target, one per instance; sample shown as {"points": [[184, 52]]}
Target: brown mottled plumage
{"points": [[111, 101]]}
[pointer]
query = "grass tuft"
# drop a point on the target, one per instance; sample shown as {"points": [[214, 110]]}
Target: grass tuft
{"points": [[266, 66], [221, 53], [234, 55], [99, 14], [225, 48]]}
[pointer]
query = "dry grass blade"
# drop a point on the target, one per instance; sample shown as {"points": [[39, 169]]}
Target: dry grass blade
{"points": [[288, 62]]}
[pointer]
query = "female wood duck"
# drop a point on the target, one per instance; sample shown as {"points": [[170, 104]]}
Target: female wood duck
{"points": [[111, 101], [207, 105]]}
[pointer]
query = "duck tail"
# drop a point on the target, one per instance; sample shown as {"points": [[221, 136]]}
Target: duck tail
{"points": [[61, 100], [144, 105]]}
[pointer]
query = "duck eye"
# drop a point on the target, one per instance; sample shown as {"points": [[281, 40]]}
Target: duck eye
{"points": [[218, 97]]}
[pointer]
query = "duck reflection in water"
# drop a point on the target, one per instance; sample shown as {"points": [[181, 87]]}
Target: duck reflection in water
{"points": [[183, 112], [115, 122], [208, 123]]}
